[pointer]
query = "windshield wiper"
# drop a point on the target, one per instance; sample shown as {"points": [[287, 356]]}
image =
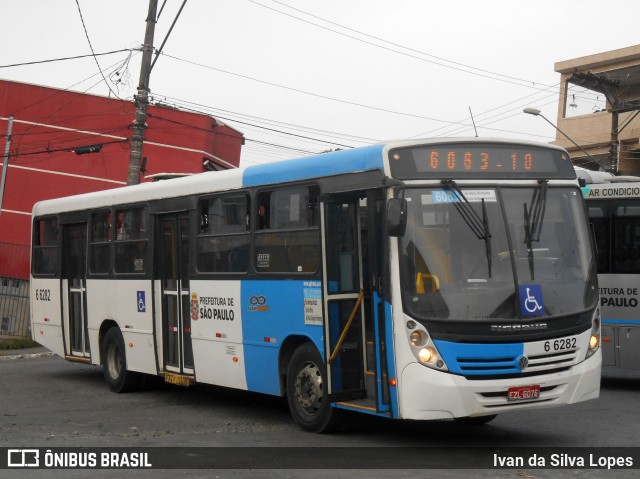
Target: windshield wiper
{"points": [[479, 226], [533, 219], [487, 236]]}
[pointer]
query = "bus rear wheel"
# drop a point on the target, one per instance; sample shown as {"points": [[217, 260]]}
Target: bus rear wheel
{"points": [[307, 393], [114, 363]]}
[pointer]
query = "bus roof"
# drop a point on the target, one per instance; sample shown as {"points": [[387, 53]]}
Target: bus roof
{"points": [[326, 164], [329, 164], [299, 169]]}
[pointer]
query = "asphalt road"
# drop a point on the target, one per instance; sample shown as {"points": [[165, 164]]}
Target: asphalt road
{"points": [[47, 402]]}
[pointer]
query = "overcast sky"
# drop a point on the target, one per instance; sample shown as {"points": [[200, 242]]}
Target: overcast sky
{"points": [[341, 73]]}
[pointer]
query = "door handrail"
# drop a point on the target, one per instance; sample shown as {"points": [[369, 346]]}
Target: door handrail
{"points": [[347, 326]]}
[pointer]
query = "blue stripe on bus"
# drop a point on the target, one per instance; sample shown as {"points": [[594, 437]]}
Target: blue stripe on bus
{"points": [[391, 363], [272, 310], [326, 164], [621, 321], [481, 359]]}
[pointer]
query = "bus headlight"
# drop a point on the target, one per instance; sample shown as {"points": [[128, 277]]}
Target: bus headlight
{"points": [[422, 345], [427, 355], [594, 340], [418, 338]]}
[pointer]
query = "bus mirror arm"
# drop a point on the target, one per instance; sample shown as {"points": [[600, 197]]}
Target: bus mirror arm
{"points": [[396, 216], [392, 183]]}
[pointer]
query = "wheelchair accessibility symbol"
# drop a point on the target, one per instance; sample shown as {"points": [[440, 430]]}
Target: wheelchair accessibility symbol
{"points": [[531, 302], [142, 302]]}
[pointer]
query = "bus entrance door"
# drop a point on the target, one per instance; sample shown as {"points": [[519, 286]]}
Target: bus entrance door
{"points": [[173, 254], [376, 329], [343, 300], [74, 288]]}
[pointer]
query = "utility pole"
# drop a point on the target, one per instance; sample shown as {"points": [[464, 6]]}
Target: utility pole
{"points": [[5, 161], [612, 90], [614, 148], [142, 98]]}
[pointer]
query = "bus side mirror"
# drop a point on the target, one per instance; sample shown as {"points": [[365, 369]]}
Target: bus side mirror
{"points": [[396, 216]]}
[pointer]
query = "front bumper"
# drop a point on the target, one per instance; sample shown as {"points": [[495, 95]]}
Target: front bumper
{"points": [[429, 394]]}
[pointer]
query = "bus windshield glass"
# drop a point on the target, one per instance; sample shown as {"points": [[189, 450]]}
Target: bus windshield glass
{"points": [[477, 253]]}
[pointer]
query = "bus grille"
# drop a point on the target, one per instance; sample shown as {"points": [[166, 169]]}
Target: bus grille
{"points": [[488, 367]]}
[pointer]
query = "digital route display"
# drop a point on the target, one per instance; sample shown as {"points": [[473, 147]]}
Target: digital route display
{"points": [[480, 161]]}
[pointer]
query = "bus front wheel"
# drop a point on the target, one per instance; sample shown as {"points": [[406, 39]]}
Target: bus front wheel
{"points": [[114, 363], [307, 392]]}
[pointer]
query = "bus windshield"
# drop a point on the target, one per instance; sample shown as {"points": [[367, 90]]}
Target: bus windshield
{"points": [[477, 253]]}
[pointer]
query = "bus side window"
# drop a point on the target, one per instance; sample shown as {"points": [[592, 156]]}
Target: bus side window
{"points": [[288, 239], [263, 218], [223, 245], [45, 246], [131, 241], [99, 246], [626, 237]]}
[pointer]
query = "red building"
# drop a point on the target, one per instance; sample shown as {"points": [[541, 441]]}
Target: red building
{"points": [[50, 154]]}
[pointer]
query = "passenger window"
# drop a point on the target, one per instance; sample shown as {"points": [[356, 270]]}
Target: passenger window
{"points": [[99, 246], [224, 243], [45, 246], [626, 234], [131, 242], [288, 237]]}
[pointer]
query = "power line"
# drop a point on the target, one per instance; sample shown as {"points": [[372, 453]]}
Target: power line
{"points": [[282, 146], [91, 47], [496, 117], [208, 130], [348, 102], [277, 131], [501, 117], [259, 127], [507, 79], [168, 33], [504, 105], [298, 90], [215, 112], [304, 92], [526, 82], [71, 148], [77, 57], [57, 92]]}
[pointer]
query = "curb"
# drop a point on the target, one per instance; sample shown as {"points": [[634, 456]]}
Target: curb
{"points": [[24, 354]]}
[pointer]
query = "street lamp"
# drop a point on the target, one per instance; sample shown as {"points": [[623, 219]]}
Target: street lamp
{"points": [[536, 112]]}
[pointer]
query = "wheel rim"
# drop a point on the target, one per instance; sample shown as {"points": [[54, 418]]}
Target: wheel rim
{"points": [[114, 360], [308, 388]]}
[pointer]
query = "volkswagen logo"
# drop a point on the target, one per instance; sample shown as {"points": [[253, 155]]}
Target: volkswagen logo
{"points": [[523, 362]]}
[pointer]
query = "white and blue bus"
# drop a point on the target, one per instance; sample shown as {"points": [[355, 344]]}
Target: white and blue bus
{"points": [[613, 204], [440, 279]]}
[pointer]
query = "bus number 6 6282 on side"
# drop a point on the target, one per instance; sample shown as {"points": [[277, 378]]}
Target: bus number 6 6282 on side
{"points": [[43, 295]]}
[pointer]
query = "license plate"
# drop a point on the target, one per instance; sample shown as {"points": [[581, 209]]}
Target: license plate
{"points": [[523, 393]]}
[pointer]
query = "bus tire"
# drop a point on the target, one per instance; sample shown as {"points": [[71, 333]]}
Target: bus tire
{"points": [[114, 363], [307, 392]]}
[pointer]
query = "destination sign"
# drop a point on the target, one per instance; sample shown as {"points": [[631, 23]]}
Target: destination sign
{"points": [[480, 161]]}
